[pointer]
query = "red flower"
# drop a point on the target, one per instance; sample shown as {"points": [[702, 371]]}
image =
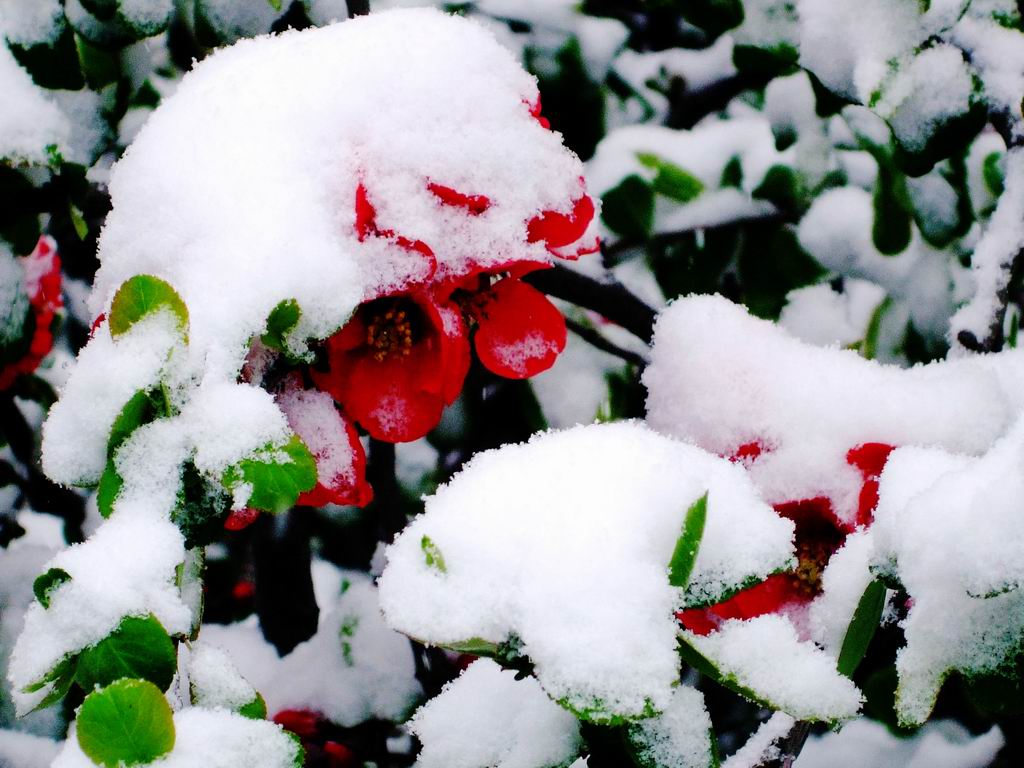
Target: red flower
{"points": [[42, 285], [818, 535], [402, 358], [396, 364]]}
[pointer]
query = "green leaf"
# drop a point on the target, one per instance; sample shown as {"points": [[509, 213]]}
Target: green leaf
{"points": [[141, 296], [201, 508], [865, 621], [61, 678], [139, 410], [993, 174], [732, 173], [282, 319], [139, 648], [78, 221], [782, 187], [671, 180], [128, 722], [685, 554], [45, 584], [892, 227], [475, 646], [275, 4], [255, 709], [869, 347], [433, 555], [628, 209], [110, 486], [277, 475], [65, 669]]}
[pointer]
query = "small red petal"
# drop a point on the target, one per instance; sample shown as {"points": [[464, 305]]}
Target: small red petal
{"points": [[748, 452], [556, 229], [338, 755], [301, 722], [366, 214], [866, 502], [243, 590], [520, 333], [474, 204], [870, 458], [241, 518], [96, 324]]}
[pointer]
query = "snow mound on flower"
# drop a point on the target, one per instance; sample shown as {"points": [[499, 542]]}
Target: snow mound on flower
{"points": [[765, 656], [949, 527], [486, 718], [353, 669], [722, 379], [678, 738], [843, 582], [564, 543], [211, 739], [394, 102]]}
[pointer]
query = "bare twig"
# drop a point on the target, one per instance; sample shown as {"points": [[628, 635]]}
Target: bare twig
{"points": [[611, 299], [596, 340], [789, 748]]}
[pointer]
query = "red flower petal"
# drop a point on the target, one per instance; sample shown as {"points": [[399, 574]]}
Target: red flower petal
{"points": [[770, 596], [338, 755], [520, 333], [301, 722], [386, 397], [42, 285], [474, 204], [455, 356], [536, 115], [870, 458], [559, 229], [241, 518], [366, 215], [334, 443]]}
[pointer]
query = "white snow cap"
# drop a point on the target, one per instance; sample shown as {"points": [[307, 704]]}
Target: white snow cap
{"points": [[488, 719], [564, 542], [678, 738], [950, 527], [722, 379], [765, 656], [240, 207]]}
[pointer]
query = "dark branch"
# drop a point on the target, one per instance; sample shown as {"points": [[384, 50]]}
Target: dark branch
{"points": [[387, 506], [790, 746], [596, 340], [611, 299], [285, 602], [357, 8]]}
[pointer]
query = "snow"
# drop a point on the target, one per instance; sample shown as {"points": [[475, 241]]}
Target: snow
{"points": [[721, 379], [702, 152], [680, 737], [233, 20], [486, 718], [564, 542], [765, 656], [212, 739], [939, 744], [31, 22], [107, 374], [1000, 243], [997, 55], [846, 577], [315, 419], [23, 750], [453, 94], [213, 680], [30, 120], [824, 317], [126, 569], [962, 575], [353, 669], [763, 743], [933, 88]]}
